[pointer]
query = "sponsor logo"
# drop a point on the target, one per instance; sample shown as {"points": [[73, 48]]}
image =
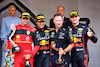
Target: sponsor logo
{"points": [[44, 42], [80, 29], [75, 40], [27, 38], [70, 29], [28, 32], [17, 36], [62, 33], [46, 31]]}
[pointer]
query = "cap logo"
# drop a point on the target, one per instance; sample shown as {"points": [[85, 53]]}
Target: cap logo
{"points": [[25, 14], [40, 17], [73, 13]]}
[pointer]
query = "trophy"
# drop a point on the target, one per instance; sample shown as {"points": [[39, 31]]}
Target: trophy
{"points": [[60, 62], [15, 48]]}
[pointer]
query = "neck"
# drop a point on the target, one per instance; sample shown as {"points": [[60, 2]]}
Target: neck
{"points": [[56, 29], [24, 24], [12, 15], [39, 28]]}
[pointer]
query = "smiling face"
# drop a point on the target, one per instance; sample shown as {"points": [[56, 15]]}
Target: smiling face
{"points": [[75, 20], [40, 24], [58, 20]]}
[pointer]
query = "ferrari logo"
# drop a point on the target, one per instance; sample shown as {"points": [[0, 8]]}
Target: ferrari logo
{"points": [[28, 32]]}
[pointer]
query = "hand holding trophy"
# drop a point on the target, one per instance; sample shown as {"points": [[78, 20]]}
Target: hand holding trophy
{"points": [[27, 57], [15, 48], [60, 62]]}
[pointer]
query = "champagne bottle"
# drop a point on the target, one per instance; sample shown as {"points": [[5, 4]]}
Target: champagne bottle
{"points": [[27, 64]]}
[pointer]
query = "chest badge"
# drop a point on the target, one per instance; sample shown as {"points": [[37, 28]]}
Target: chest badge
{"points": [[43, 42], [80, 29], [28, 32], [46, 31]]}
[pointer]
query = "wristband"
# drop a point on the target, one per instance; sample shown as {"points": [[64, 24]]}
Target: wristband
{"points": [[64, 52]]}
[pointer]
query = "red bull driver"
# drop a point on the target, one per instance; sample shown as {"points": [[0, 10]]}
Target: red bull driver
{"points": [[79, 35], [42, 34]]}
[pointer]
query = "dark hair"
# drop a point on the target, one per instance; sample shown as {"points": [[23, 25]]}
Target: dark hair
{"points": [[40, 15], [57, 14]]}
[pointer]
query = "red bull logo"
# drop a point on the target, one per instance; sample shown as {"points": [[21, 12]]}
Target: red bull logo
{"points": [[44, 42], [75, 40]]}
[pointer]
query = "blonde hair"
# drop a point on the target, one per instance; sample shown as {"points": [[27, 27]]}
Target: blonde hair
{"points": [[11, 6]]}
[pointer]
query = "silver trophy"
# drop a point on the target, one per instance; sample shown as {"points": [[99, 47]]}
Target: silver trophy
{"points": [[15, 48], [60, 62]]}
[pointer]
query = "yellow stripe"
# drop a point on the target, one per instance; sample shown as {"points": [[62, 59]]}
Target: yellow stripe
{"points": [[25, 14], [39, 17], [23, 42], [74, 12]]}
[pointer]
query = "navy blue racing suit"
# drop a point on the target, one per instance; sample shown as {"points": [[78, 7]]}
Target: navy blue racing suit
{"points": [[42, 58], [78, 35], [61, 39]]}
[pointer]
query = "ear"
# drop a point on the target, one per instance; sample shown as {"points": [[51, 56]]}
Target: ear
{"points": [[21, 19], [64, 11], [70, 19], [9, 11], [57, 11], [78, 17], [53, 21], [36, 23]]}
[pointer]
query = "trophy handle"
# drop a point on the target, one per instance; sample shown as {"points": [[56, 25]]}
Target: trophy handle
{"points": [[59, 59]]}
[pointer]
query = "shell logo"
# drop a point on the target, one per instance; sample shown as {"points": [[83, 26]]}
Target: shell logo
{"points": [[17, 36]]}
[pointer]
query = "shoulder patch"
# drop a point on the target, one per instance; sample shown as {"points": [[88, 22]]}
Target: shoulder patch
{"points": [[51, 29], [64, 29], [33, 29], [46, 31]]}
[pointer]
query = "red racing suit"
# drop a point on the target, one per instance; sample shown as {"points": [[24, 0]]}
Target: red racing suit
{"points": [[26, 39]]}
